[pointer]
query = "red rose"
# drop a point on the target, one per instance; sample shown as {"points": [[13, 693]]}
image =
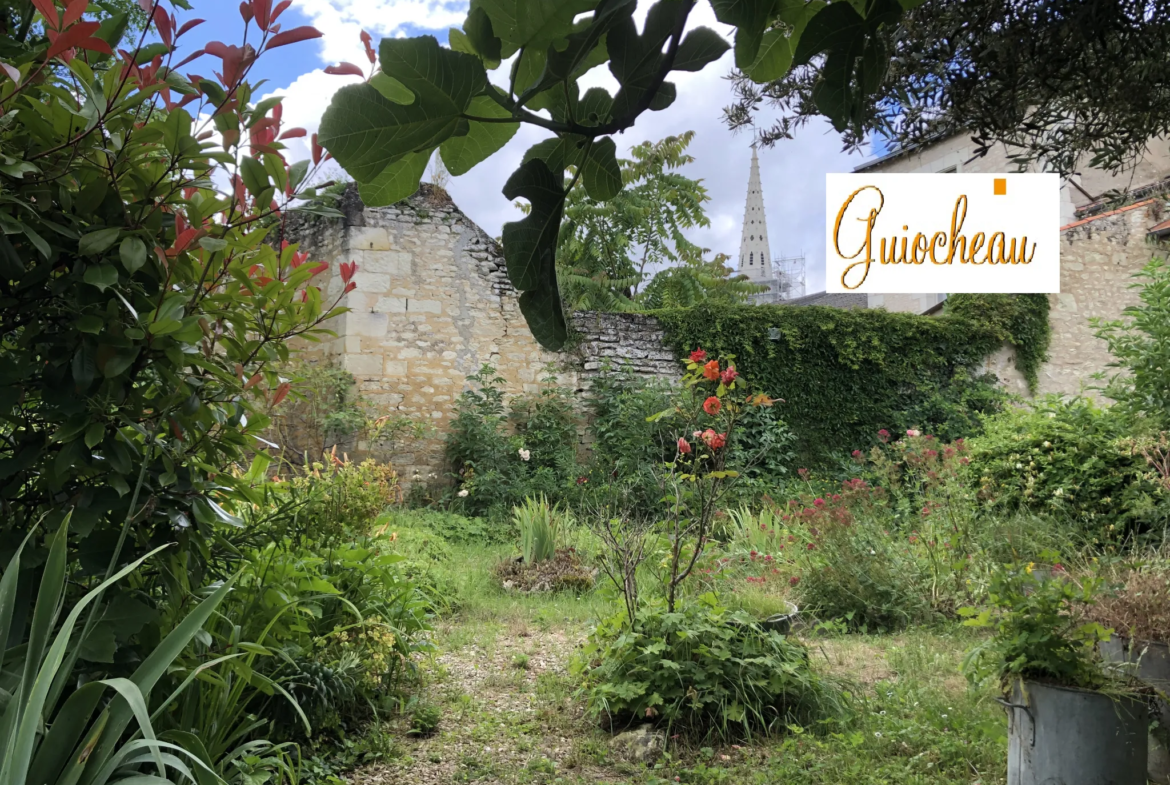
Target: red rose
{"points": [[684, 446], [729, 376], [711, 405], [711, 370], [719, 440], [698, 355]]}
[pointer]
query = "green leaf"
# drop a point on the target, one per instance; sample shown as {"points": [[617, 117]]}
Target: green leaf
{"points": [[699, 48], [478, 30], [462, 153], [399, 180], [777, 49], [254, 176], [581, 51], [558, 153], [99, 645], [836, 26], [90, 324], [530, 250], [601, 174], [391, 89], [594, 107], [534, 24], [366, 132], [97, 242], [94, 435], [133, 254], [101, 275], [213, 244], [636, 61], [750, 18], [117, 364]]}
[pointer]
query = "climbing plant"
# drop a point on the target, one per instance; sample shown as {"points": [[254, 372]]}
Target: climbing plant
{"points": [[426, 97], [845, 374], [1019, 319]]}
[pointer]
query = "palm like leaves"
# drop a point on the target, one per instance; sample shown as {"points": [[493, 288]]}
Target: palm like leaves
{"points": [[47, 740]]}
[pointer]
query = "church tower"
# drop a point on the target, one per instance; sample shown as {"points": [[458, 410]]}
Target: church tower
{"points": [[755, 258]]}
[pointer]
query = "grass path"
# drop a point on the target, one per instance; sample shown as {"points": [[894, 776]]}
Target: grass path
{"points": [[501, 678]]}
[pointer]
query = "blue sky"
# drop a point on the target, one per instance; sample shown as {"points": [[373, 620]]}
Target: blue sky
{"points": [[792, 172]]}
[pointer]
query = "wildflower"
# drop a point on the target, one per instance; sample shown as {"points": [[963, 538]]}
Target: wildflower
{"points": [[793, 580], [711, 405], [812, 546], [582, 480], [929, 437], [768, 557], [884, 435], [394, 537], [964, 461], [728, 375], [1029, 568], [912, 433], [1058, 567], [684, 447], [753, 554], [698, 355], [818, 502], [711, 371], [524, 454], [1058, 492], [803, 473], [877, 734], [836, 497], [463, 493]]}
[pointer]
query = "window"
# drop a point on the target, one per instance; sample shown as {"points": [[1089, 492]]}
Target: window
{"points": [[751, 258]]}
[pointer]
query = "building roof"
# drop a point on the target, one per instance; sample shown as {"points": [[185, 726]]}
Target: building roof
{"points": [[833, 300]]}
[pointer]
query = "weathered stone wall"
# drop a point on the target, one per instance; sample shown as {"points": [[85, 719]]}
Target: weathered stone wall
{"points": [[1098, 258], [433, 304]]}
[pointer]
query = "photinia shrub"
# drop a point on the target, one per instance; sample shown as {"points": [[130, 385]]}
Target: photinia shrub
{"points": [[147, 295]]}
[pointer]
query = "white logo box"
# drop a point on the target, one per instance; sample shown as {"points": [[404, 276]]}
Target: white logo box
{"points": [[989, 233]]}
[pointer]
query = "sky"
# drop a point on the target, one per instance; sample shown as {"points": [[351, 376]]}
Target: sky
{"points": [[792, 171]]}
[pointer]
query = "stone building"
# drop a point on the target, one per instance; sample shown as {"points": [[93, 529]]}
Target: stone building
{"points": [[433, 304], [1104, 242]]}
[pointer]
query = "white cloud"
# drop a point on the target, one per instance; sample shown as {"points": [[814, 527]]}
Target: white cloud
{"points": [[792, 171]]}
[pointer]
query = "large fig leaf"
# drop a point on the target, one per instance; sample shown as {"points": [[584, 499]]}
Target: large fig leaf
{"points": [[366, 131], [461, 153], [530, 249]]}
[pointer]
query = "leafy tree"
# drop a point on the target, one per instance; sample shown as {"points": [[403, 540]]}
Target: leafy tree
{"points": [[698, 280], [1061, 82], [144, 308], [606, 247], [426, 97]]}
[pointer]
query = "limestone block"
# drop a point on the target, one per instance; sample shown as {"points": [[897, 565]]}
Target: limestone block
{"points": [[394, 263], [373, 283], [365, 365], [424, 306], [390, 304], [395, 368], [369, 238], [371, 324]]}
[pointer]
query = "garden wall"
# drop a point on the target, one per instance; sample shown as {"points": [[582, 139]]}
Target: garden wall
{"points": [[433, 304]]}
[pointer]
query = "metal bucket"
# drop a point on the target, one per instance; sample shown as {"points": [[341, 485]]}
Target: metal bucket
{"points": [[1063, 736], [782, 622], [1152, 662]]}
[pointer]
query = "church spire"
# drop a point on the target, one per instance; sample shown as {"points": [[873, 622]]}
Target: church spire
{"points": [[755, 258]]}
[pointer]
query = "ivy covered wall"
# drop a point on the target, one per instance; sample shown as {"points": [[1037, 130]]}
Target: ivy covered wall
{"points": [[845, 374]]}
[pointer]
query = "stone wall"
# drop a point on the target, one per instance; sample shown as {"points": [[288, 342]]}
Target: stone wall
{"points": [[433, 304], [1098, 258]]}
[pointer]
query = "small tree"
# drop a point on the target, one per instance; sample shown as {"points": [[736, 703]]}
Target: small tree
{"points": [[1140, 344]]}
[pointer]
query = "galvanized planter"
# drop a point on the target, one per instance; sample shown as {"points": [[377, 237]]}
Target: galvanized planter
{"points": [[1151, 663], [1065, 736], [782, 622]]}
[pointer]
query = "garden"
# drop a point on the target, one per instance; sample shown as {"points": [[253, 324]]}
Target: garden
{"points": [[830, 550]]}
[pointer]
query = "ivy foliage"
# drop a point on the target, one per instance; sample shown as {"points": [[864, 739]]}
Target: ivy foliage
{"points": [[845, 374], [426, 97], [1020, 319]]}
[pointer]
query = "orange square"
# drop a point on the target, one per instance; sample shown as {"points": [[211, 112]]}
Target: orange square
{"points": [[1000, 186]]}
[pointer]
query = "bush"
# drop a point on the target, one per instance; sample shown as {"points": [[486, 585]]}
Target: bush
{"points": [[1137, 603], [703, 670], [497, 468], [339, 498], [853, 565], [844, 374], [1071, 459]]}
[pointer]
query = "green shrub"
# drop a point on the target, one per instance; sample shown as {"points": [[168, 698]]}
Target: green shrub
{"points": [[425, 719], [1140, 342], [1071, 459], [1039, 630], [702, 670], [499, 459], [846, 373]]}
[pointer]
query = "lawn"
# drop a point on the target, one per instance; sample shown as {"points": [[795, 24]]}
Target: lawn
{"points": [[500, 677]]}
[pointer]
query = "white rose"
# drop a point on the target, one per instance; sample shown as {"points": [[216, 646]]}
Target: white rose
{"points": [[912, 432], [524, 454], [462, 493]]}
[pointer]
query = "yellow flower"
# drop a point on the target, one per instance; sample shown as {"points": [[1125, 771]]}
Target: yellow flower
{"points": [[1028, 569]]}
